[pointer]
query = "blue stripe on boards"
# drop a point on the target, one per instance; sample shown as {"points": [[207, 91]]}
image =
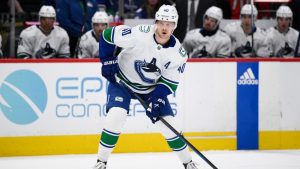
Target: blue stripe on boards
{"points": [[247, 105]]}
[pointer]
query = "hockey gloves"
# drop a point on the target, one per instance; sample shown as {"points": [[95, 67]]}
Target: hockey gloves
{"points": [[157, 102], [156, 105], [109, 68]]}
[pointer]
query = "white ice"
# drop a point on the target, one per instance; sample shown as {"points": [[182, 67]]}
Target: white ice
{"points": [[273, 159]]}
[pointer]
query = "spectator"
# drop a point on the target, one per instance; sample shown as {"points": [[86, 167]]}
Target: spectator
{"points": [[89, 43], [148, 9], [44, 40], [282, 39], [1, 54], [209, 41], [243, 33], [75, 17]]}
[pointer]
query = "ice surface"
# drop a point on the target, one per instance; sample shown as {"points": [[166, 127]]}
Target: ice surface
{"points": [[273, 159]]}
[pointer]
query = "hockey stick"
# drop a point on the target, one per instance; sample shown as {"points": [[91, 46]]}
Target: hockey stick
{"points": [[297, 46], [144, 104]]}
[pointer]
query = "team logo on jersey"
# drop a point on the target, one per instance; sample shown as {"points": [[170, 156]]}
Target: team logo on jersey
{"points": [[244, 50], [182, 52], [46, 52], [148, 72], [285, 51], [144, 28], [201, 53]]}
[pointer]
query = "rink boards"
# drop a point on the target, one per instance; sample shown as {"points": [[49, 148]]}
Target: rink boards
{"points": [[58, 107]]}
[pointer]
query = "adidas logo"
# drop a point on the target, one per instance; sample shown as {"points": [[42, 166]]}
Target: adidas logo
{"points": [[247, 78]]}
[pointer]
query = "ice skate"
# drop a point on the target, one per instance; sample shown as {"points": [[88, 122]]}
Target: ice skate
{"points": [[100, 165], [190, 165]]}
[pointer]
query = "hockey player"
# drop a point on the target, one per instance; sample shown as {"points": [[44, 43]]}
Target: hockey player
{"points": [[282, 39], [241, 35], [45, 40], [208, 41], [89, 43], [149, 65]]}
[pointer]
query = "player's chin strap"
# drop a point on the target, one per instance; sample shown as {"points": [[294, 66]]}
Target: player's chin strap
{"points": [[147, 107]]}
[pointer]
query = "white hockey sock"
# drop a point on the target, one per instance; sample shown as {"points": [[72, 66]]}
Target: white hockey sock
{"points": [[114, 122], [175, 143]]}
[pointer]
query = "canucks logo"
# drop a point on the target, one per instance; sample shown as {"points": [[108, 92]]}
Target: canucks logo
{"points": [[23, 97], [148, 72], [182, 52], [285, 51], [244, 50], [46, 52]]}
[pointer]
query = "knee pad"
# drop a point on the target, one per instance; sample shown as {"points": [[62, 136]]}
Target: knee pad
{"points": [[115, 119]]}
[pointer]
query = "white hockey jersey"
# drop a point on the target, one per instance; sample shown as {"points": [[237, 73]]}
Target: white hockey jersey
{"points": [[197, 45], [282, 45], [143, 62], [242, 43], [88, 46], [34, 43], [1, 54]]}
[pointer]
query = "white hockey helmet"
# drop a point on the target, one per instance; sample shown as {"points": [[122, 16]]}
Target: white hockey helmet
{"points": [[47, 11], [167, 13], [214, 12], [284, 12], [100, 17], [248, 9]]}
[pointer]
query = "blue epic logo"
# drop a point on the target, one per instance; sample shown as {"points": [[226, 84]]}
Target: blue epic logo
{"points": [[23, 97]]}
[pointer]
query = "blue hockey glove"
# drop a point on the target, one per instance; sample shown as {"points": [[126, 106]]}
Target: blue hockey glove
{"points": [[156, 105], [109, 68], [157, 102]]}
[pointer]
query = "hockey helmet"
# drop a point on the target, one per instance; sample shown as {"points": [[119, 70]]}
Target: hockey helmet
{"points": [[167, 13], [248, 10], [214, 12], [47, 11], [284, 12], [100, 17]]}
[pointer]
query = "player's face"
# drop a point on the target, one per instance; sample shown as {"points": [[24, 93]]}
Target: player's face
{"points": [[99, 27], [283, 24], [210, 23], [246, 21], [47, 23], [164, 29]]}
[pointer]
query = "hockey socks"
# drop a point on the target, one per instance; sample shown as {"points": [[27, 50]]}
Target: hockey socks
{"points": [[115, 120], [180, 148], [175, 143]]}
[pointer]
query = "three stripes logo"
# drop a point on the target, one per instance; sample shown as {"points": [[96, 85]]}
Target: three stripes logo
{"points": [[247, 78]]}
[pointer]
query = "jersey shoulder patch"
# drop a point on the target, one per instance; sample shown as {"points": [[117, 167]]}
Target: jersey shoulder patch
{"points": [[144, 28], [182, 52]]}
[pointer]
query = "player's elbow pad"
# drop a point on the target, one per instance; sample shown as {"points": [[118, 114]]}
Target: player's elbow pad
{"points": [[105, 49]]}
